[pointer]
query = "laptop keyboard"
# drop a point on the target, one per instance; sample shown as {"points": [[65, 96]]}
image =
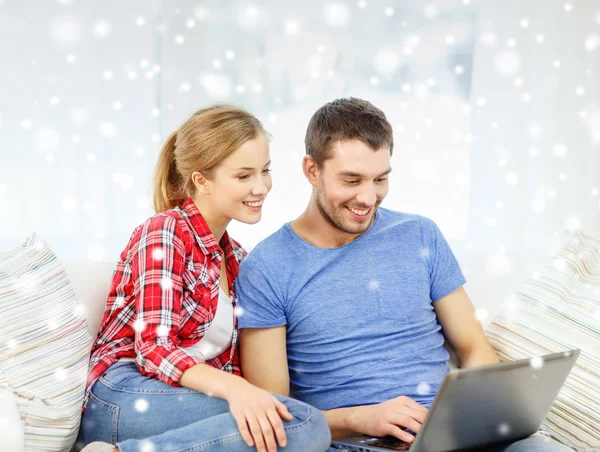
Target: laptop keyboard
{"points": [[390, 443]]}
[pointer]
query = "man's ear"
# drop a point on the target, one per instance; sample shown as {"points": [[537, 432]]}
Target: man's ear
{"points": [[311, 170], [200, 182]]}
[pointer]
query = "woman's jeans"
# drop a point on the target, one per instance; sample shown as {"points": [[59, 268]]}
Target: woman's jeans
{"points": [[144, 414]]}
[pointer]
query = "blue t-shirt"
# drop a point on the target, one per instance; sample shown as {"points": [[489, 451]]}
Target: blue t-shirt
{"points": [[361, 328]]}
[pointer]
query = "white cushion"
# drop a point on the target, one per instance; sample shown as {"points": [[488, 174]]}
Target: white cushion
{"points": [[91, 283], [556, 311], [44, 345], [12, 437]]}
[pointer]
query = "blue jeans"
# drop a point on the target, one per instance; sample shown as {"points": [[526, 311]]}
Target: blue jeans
{"points": [[144, 414]]}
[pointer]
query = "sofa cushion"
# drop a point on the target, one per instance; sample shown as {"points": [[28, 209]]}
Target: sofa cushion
{"points": [[556, 310], [11, 426], [44, 345]]}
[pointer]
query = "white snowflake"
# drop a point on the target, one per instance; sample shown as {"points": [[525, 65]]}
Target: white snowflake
{"points": [[488, 39], [46, 139], [481, 314], [537, 362], [78, 115], [511, 178], [69, 204], [337, 14], [423, 388], [60, 374], [559, 264], [292, 27], [431, 11], [66, 31], [162, 331], [386, 62], [141, 405], [139, 325], [140, 21], [71, 58], [592, 41], [158, 254], [559, 150], [504, 429], [166, 283], [217, 86], [538, 205], [107, 129], [102, 28], [201, 12], [507, 62], [179, 40]]}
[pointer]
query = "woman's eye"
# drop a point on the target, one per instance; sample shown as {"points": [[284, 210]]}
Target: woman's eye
{"points": [[243, 177], [267, 171]]}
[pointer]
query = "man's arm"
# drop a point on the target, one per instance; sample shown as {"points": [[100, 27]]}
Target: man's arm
{"points": [[456, 315], [264, 364], [263, 357]]}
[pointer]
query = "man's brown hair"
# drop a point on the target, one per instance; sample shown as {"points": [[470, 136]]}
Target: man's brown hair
{"points": [[344, 120]]}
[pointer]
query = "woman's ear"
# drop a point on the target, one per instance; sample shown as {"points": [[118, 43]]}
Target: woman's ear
{"points": [[311, 170], [200, 182]]}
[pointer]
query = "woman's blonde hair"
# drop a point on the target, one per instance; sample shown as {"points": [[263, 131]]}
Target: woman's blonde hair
{"points": [[201, 143]]}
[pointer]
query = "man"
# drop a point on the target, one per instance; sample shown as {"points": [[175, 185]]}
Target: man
{"points": [[347, 306]]}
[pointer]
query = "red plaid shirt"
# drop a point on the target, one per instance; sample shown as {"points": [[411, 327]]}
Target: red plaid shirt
{"points": [[164, 296]]}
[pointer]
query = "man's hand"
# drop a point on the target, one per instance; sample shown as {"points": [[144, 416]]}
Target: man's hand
{"points": [[389, 418]]}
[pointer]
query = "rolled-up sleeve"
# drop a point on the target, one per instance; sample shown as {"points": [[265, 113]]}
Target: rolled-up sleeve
{"points": [[158, 265]]}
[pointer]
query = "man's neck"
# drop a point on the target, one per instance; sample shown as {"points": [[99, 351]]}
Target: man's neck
{"points": [[314, 229]]}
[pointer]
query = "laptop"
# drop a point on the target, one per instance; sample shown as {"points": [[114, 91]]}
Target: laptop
{"points": [[483, 405]]}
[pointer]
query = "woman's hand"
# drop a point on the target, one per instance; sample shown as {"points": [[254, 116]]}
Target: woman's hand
{"points": [[258, 415]]}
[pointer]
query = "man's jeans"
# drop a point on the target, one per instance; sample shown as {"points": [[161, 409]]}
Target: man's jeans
{"points": [[144, 414]]}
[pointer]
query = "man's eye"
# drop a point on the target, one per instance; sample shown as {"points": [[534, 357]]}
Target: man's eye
{"points": [[352, 182], [383, 179]]}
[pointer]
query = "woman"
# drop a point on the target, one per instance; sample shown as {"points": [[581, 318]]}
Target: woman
{"points": [[164, 370]]}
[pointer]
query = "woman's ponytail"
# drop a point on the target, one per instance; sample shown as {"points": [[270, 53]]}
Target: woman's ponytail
{"points": [[168, 183]]}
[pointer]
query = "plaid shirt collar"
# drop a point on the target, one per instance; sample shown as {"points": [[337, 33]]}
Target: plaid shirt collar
{"points": [[206, 240]]}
